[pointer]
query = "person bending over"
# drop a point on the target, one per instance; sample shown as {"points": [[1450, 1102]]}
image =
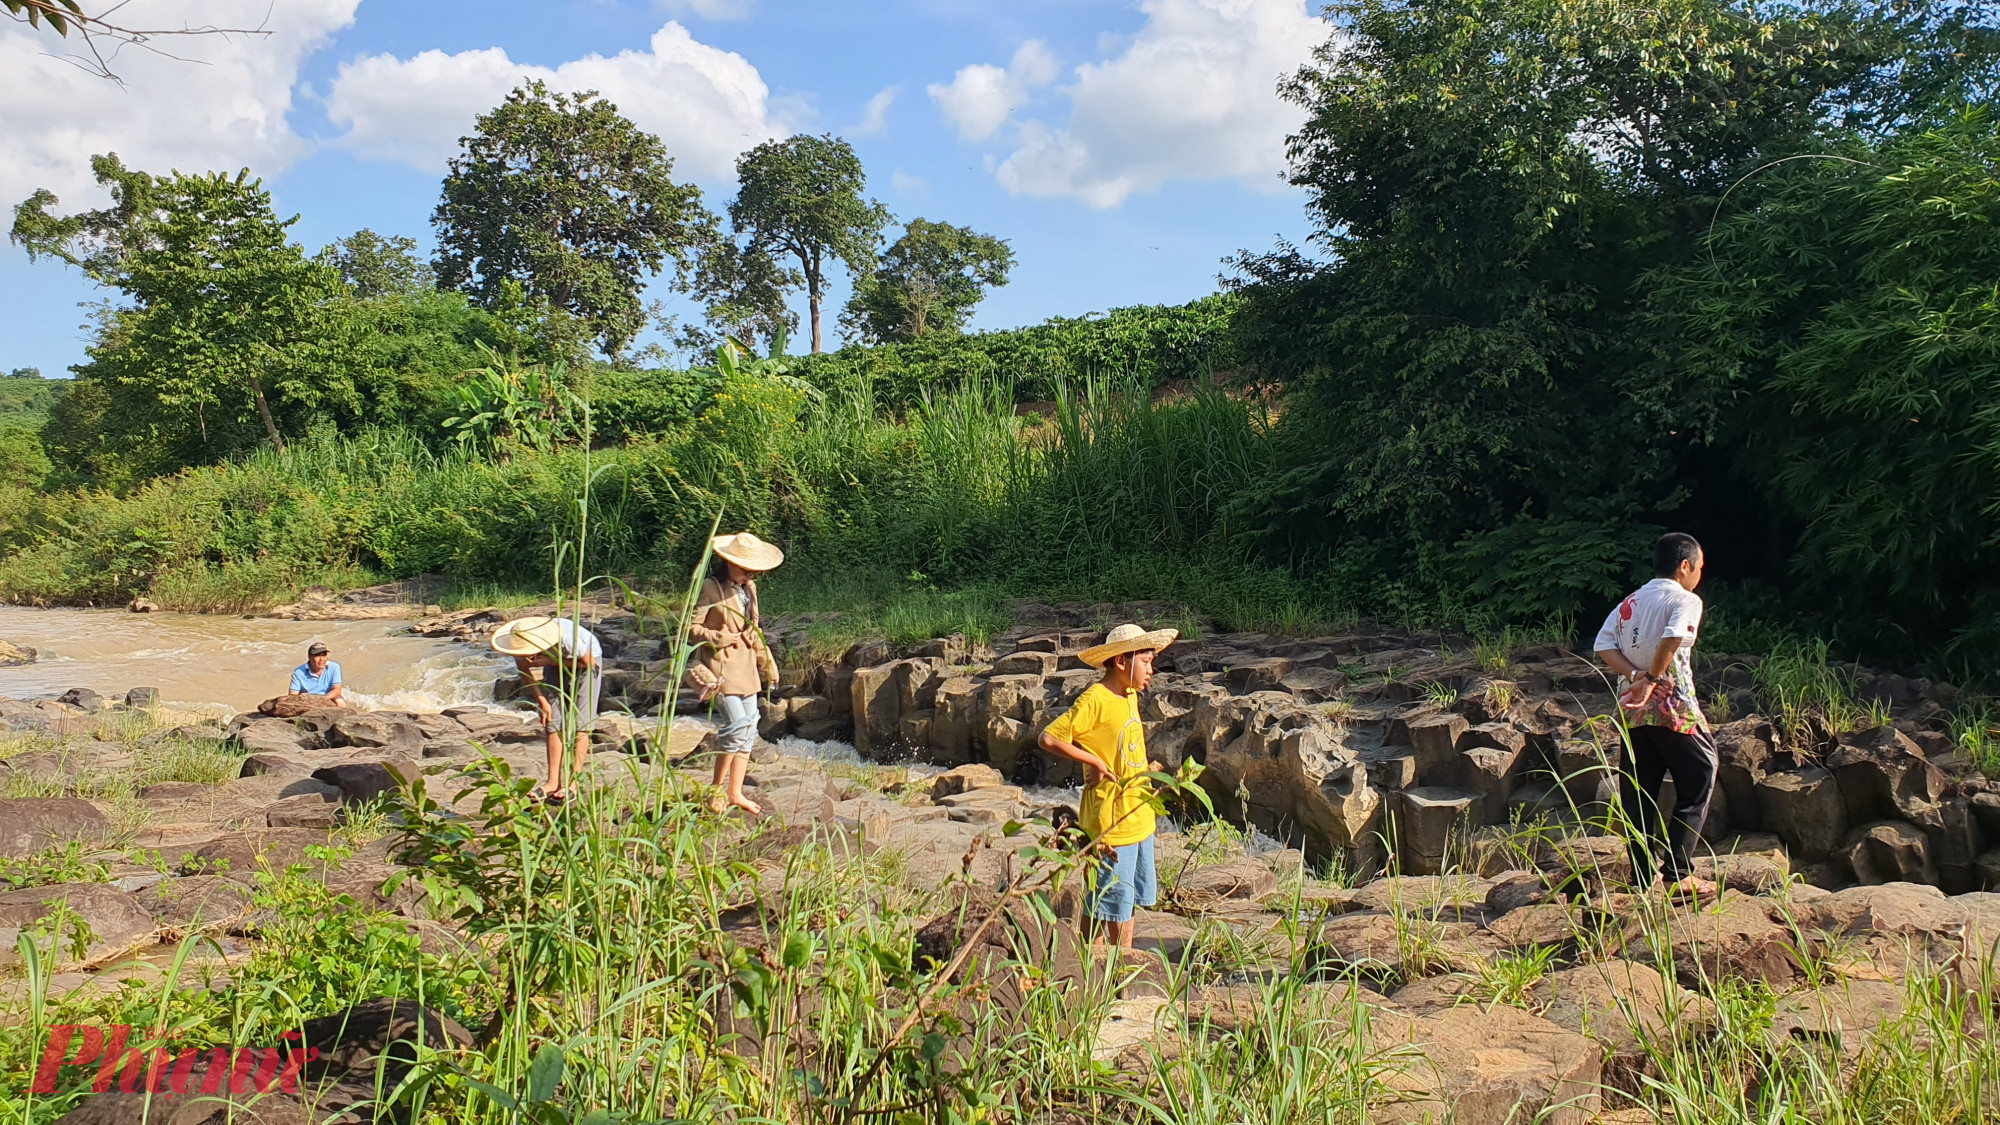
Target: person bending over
{"points": [[319, 675], [1647, 640], [1102, 733], [562, 667]]}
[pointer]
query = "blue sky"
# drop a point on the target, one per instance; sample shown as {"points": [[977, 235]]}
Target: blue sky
{"points": [[1123, 149]]}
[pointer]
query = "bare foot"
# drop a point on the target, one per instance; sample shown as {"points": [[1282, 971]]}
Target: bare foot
{"points": [[747, 805], [718, 804], [1694, 888]]}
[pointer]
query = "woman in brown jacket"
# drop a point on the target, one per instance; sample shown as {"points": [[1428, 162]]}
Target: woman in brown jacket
{"points": [[731, 644]]}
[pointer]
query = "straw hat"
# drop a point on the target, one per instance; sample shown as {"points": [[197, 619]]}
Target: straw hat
{"points": [[747, 551], [526, 636], [1127, 638]]}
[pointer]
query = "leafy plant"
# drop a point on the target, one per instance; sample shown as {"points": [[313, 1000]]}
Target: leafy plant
{"points": [[506, 403], [1511, 977], [1439, 694], [64, 863]]}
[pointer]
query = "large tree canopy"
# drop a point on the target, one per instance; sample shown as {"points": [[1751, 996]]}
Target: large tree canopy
{"points": [[930, 280], [567, 199], [799, 203], [1491, 179], [230, 329]]}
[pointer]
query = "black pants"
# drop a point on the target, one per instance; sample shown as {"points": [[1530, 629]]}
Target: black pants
{"points": [[1664, 844]]}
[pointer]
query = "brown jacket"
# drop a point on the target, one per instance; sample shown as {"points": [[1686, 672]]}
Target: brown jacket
{"points": [[731, 645]]}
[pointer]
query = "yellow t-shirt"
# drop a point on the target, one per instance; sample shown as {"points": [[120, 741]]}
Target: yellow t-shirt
{"points": [[1109, 727]]}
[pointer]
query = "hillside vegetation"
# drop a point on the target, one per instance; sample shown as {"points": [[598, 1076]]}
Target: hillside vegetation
{"points": [[1583, 272]]}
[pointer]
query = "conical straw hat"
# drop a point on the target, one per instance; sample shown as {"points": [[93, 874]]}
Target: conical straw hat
{"points": [[747, 551], [1127, 638]]}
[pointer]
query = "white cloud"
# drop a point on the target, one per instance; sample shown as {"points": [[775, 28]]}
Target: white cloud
{"points": [[1192, 96], [221, 105], [707, 104], [874, 115], [980, 98], [909, 185], [708, 9]]}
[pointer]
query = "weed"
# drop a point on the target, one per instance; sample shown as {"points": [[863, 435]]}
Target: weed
{"points": [[1438, 694], [1491, 653], [361, 824], [1511, 977], [1719, 707], [65, 863], [204, 761], [1973, 731], [1796, 684], [1499, 697]]}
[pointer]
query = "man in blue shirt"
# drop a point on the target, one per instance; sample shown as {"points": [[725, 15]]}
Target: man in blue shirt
{"points": [[318, 675]]}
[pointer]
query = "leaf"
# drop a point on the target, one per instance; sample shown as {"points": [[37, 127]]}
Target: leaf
{"points": [[503, 1098], [931, 1047], [798, 951], [545, 1073]]}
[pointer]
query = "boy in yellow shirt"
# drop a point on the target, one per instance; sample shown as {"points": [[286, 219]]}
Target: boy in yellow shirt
{"points": [[1102, 733]]}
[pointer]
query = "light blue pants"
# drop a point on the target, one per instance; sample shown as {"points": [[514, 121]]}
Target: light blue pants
{"points": [[738, 732]]}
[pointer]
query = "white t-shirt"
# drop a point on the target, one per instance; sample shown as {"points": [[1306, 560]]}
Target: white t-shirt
{"points": [[578, 641], [1660, 609]]}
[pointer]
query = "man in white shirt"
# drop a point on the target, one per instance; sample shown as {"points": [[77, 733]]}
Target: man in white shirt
{"points": [[1647, 641]]}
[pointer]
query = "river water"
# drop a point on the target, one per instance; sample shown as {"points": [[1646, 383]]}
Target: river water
{"points": [[223, 664]]}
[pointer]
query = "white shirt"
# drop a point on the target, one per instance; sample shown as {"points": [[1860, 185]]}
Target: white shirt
{"points": [[578, 641], [1660, 609]]}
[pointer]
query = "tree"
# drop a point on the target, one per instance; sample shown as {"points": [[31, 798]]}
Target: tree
{"points": [[1490, 180], [743, 292], [929, 281], [377, 267], [94, 32], [227, 319], [562, 195], [800, 199], [1843, 338]]}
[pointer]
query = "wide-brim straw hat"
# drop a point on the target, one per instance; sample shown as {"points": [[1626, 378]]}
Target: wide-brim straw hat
{"points": [[1127, 638], [747, 551], [526, 636]]}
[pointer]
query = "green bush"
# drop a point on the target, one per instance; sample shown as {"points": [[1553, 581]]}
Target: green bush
{"points": [[1152, 344]]}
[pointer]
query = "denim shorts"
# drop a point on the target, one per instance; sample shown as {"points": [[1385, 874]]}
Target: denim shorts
{"points": [[1125, 879], [738, 732]]}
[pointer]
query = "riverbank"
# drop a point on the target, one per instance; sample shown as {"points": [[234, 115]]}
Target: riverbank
{"points": [[765, 966]]}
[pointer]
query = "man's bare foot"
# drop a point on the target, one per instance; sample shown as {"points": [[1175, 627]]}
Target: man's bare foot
{"points": [[747, 805], [1694, 888]]}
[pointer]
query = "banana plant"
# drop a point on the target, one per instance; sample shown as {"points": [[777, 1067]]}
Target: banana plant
{"points": [[504, 402], [736, 359]]}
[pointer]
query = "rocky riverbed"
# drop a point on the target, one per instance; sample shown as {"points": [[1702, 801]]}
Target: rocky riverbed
{"points": [[1386, 750], [1853, 861]]}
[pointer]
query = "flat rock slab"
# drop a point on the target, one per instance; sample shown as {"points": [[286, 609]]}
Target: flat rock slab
{"points": [[1498, 1067], [1630, 1009], [117, 922], [197, 902], [1845, 1015], [1426, 894], [1734, 937], [29, 825], [1241, 879], [240, 855]]}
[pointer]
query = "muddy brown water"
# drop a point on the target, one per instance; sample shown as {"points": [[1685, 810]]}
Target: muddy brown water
{"points": [[224, 664]]}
